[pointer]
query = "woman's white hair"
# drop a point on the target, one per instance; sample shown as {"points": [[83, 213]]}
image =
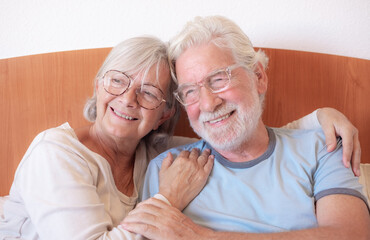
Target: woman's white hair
{"points": [[136, 56], [223, 33]]}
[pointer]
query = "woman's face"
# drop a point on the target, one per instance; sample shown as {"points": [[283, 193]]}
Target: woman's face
{"points": [[122, 117]]}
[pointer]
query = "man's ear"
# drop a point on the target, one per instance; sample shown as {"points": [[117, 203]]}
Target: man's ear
{"points": [[167, 114], [262, 80]]}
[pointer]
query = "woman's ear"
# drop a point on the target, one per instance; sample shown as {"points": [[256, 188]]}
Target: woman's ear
{"points": [[262, 79], [97, 82], [167, 114]]}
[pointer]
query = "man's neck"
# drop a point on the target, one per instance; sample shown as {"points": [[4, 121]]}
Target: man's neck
{"points": [[251, 149]]}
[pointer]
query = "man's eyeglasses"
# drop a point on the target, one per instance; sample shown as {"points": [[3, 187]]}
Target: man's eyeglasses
{"points": [[117, 83], [217, 81]]}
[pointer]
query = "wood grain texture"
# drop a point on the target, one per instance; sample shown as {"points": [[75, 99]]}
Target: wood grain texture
{"points": [[43, 91]]}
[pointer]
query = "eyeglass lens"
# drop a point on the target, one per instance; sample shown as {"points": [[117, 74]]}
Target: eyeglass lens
{"points": [[148, 96], [216, 82]]}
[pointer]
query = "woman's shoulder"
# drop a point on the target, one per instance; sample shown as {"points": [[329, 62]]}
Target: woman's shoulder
{"points": [[53, 141], [62, 132]]}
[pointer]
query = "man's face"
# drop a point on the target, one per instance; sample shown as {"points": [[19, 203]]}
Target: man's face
{"points": [[229, 118]]}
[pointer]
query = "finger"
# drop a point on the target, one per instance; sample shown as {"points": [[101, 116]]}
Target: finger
{"points": [[140, 216], [167, 161], [203, 158], [356, 155], [209, 165], [330, 137], [146, 230], [194, 154], [184, 154], [347, 142]]}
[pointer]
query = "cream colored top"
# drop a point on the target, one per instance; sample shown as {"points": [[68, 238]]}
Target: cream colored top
{"points": [[68, 191]]}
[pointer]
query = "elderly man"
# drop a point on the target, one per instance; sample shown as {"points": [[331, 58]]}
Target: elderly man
{"points": [[266, 183]]}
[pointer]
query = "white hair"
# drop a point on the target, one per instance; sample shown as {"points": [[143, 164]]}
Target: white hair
{"points": [[223, 33], [136, 56]]}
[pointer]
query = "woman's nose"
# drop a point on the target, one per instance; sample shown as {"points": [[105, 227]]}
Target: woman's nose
{"points": [[129, 97]]}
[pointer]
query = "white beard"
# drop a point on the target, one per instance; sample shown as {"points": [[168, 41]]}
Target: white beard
{"points": [[231, 136]]}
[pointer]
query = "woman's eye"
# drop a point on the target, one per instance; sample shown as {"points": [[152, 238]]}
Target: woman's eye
{"points": [[116, 81], [149, 94]]}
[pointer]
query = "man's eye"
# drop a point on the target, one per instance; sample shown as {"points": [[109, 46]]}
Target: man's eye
{"points": [[189, 92], [218, 81]]}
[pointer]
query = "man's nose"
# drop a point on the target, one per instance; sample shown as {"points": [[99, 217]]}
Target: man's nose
{"points": [[208, 101]]}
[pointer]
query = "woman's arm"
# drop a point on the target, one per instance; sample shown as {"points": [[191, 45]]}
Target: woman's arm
{"points": [[59, 191], [334, 124]]}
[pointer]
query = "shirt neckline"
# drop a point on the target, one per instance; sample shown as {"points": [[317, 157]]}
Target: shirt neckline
{"points": [[269, 151]]}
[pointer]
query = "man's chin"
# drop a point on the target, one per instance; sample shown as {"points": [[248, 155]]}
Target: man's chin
{"points": [[221, 139], [220, 142]]}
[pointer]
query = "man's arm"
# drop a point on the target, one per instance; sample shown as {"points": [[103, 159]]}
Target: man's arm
{"points": [[339, 217]]}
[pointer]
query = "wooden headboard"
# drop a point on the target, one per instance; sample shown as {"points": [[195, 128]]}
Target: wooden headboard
{"points": [[42, 91]]}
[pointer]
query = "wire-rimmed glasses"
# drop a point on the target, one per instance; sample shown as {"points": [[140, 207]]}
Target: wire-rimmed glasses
{"points": [[148, 96], [216, 81]]}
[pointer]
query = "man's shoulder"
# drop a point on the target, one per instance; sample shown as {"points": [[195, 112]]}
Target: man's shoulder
{"points": [[300, 134], [176, 150], [300, 138], [303, 139]]}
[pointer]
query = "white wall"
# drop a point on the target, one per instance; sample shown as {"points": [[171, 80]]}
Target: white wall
{"points": [[340, 27]]}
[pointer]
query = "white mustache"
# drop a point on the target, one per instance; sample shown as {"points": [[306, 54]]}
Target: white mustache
{"points": [[224, 110]]}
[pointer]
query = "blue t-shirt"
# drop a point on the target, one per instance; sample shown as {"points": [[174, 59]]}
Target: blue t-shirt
{"points": [[274, 192]]}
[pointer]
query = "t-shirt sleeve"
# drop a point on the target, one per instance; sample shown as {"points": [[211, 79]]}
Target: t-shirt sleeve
{"points": [[331, 177], [58, 190]]}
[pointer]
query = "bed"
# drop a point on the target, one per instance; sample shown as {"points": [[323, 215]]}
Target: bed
{"points": [[42, 91]]}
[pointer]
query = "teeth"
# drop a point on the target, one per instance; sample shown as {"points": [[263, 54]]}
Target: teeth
{"points": [[123, 116], [219, 119]]}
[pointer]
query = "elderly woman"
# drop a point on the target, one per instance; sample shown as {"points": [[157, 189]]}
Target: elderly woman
{"points": [[81, 183]]}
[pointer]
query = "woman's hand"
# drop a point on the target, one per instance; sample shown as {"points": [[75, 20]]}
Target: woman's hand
{"points": [[181, 180], [154, 219], [334, 124]]}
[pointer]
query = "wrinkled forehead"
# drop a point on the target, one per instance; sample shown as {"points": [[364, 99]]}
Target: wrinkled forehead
{"points": [[197, 62]]}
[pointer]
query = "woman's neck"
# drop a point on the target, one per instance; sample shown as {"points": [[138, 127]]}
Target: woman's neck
{"points": [[119, 153]]}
